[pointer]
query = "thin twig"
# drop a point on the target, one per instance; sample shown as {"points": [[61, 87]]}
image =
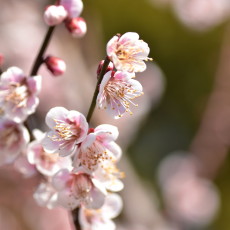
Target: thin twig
{"points": [[101, 75]]}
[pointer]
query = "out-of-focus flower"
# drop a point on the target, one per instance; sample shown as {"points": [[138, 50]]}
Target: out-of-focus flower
{"points": [[73, 7], [117, 90], [47, 164], [78, 189], [54, 15], [18, 94], [76, 26], [99, 146], [128, 53], [196, 13], [190, 199], [13, 140], [55, 65], [109, 68], [100, 219], [69, 128], [23, 166], [46, 195]]}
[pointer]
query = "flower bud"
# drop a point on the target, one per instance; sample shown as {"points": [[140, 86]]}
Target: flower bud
{"points": [[54, 15], [1, 59], [76, 26], [109, 68], [55, 65]]}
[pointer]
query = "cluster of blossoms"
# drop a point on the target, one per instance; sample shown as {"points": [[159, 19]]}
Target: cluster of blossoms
{"points": [[67, 11], [118, 88], [77, 164]]}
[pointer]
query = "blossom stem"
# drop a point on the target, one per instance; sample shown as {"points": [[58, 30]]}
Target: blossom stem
{"points": [[75, 214], [100, 77], [39, 58]]}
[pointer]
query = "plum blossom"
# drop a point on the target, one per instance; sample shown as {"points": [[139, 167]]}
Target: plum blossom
{"points": [[54, 15], [78, 189], [190, 199], [196, 13], [117, 90], [109, 175], [47, 164], [100, 219], [68, 128], [18, 94], [98, 146], [73, 7], [13, 140], [128, 53], [46, 195]]}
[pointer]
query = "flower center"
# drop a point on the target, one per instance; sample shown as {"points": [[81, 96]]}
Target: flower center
{"points": [[65, 131], [94, 155], [121, 93], [8, 137], [81, 186], [17, 94]]}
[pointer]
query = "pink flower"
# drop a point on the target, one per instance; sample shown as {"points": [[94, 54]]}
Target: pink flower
{"points": [[109, 175], [13, 140], [73, 7], [69, 128], [100, 219], [46, 195], [128, 53], [189, 198], [117, 92], [18, 94], [55, 65], [78, 189], [54, 15], [47, 164], [76, 26], [99, 146]]}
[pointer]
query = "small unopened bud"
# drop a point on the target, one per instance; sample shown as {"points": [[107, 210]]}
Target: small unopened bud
{"points": [[55, 65], [1, 59], [76, 26], [54, 15], [109, 68]]}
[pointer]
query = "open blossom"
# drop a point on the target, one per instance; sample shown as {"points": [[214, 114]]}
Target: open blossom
{"points": [[13, 140], [68, 128], [73, 7], [18, 94], [46, 163], [98, 146], [109, 175], [54, 15], [117, 92], [189, 198], [128, 53], [78, 189], [100, 219]]}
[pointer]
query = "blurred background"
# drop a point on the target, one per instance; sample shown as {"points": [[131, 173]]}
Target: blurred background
{"points": [[176, 144]]}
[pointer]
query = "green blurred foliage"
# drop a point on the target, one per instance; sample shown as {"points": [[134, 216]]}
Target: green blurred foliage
{"points": [[189, 60]]}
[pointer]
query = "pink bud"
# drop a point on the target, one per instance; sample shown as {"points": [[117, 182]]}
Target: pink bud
{"points": [[1, 59], [76, 26], [54, 15], [109, 68], [55, 65]]}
